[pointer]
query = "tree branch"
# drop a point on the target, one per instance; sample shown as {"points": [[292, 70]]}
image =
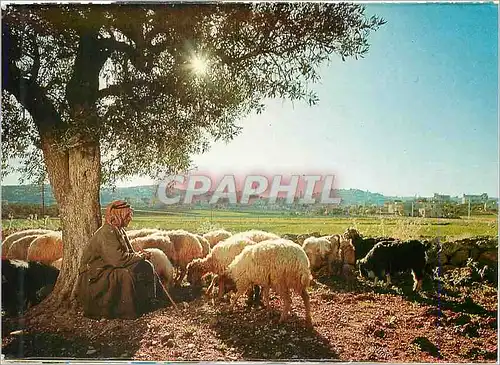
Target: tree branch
{"points": [[32, 98], [110, 45], [112, 90], [36, 61]]}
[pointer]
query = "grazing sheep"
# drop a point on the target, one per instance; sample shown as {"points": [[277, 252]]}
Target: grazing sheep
{"points": [[214, 237], [322, 249], [334, 260], [57, 264], [256, 235], [347, 258], [161, 242], [162, 266], [216, 262], [19, 248], [10, 239], [135, 233], [205, 245], [187, 247], [389, 257], [46, 248], [361, 244], [279, 264]]}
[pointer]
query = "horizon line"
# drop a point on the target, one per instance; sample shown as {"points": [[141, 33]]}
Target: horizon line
{"points": [[369, 191]]}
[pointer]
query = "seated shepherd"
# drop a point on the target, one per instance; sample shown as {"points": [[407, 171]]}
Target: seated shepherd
{"points": [[115, 281]]}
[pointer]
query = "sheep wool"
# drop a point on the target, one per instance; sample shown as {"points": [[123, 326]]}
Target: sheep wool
{"points": [[214, 237], [187, 247], [9, 240], [162, 265], [256, 235], [19, 248], [155, 241], [217, 260], [46, 248], [278, 264], [319, 250], [205, 245]]}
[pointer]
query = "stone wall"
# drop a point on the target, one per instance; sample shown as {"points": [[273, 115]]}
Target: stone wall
{"points": [[482, 249], [466, 260]]}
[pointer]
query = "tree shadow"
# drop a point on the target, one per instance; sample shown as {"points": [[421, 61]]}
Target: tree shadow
{"points": [[111, 339], [47, 346], [258, 335], [185, 293], [442, 302], [433, 293]]}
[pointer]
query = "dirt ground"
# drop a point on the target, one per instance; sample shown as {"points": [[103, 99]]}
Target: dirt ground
{"points": [[360, 322]]}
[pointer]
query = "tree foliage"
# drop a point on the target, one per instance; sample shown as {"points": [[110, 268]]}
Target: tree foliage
{"points": [[125, 75]]}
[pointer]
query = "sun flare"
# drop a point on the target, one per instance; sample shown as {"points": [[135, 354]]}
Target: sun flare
{"points": [[199, 65]]}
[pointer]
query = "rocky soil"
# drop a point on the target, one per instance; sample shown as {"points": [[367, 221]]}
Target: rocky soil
{"points": [[358, 322]]}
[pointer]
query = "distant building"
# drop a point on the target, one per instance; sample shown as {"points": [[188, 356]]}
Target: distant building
{"points": [[474, 199], [439, 198], [430, 210], [419, 208], [401, 208]]}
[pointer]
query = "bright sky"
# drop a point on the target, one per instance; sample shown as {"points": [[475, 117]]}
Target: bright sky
{"points": [[418, 115]]}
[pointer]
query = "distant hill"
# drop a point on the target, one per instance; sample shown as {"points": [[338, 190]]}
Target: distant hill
{"points": [[31, 194], [145, 196], [360, 197]]}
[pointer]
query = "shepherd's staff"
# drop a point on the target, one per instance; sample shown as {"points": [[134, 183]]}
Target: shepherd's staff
{"points": [[165, 290], [163, 286]]}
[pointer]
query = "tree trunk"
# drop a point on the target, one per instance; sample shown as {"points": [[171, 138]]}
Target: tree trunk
{"points": [[75, 175]]}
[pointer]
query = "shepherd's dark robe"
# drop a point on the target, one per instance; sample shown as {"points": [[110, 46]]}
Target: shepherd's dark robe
{"points": [[114, 281]]}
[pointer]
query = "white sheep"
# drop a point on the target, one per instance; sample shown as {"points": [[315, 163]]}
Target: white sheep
{"points": [[46, 248], [322, 249], [186, 247], [162, 265], [216, 262], [278, 264], [161, 242], [256, 235], [10, 239], [19, 248], [214, 237]]}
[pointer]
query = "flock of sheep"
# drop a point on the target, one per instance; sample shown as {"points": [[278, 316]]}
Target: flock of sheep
{"points": [[42, 245], [236, 261]]}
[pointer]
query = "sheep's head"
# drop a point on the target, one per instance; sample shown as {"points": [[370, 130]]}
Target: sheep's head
{"points": [[228, 284], [352, 233], [194, 272]]}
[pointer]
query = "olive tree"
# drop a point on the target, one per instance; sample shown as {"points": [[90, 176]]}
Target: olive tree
{"points": [[95, 93]]}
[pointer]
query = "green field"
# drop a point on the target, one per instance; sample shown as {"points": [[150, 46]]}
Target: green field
{"points": [[205, 220]]}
